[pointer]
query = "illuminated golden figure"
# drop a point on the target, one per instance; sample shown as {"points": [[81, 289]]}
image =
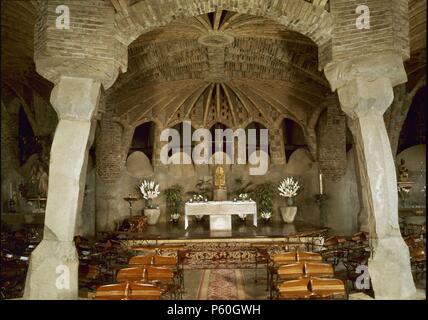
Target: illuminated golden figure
{"points": [[219, 179]]}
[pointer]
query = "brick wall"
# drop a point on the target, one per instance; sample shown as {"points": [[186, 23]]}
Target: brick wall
{"points": [[88, 49], [108, 146], [388, 28], [332, 140]]}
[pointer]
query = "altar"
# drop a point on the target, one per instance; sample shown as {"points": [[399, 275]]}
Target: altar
{"points": [[220, 212]]}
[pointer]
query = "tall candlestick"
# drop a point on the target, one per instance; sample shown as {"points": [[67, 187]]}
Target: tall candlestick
{"points": [[321, 189], [10, 192]]}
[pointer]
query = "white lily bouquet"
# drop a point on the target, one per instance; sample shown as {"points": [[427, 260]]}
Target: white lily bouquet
{"points": [[266, 215], [175, 217], [150, 191], [198, 198], [288, 189], [243, 196]]}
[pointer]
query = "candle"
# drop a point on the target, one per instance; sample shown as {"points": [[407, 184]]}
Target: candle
{"points": [[10, 192], [321, 190]]}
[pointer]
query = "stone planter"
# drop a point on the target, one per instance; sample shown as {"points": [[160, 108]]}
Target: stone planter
{"points": [[288, 214], [152, 215]]}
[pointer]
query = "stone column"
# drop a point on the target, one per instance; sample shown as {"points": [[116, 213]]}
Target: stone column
{"points": [[366, 206], [53, 269], [365, 88], [112, 145]]}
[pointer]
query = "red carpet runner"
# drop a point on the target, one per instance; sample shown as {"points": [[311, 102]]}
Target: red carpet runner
{"points": [[221, 284]]}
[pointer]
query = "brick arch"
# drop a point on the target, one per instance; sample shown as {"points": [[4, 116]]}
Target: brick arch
{"points": [[296, 15]]}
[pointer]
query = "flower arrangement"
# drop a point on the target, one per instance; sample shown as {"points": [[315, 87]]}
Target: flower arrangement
{"points": [[174, 200], [197, 198], [175, 217], [150, 191], [403, 191], [264, 194], [243, 196], [288, 189], [266, 215]]}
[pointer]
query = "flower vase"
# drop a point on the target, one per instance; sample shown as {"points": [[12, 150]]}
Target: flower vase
{"points": [[288, 214], [152, 215]]}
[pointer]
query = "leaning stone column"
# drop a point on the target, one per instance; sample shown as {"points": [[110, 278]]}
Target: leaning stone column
{"points": [[365, 88], [53, 269]]}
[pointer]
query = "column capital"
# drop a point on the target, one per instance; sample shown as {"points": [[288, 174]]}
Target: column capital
{"points": [[76, 98], [365, 84], [388, 65], [360, 98]]}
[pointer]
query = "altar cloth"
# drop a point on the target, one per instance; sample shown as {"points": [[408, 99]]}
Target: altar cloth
{"points": [[219, 208]]}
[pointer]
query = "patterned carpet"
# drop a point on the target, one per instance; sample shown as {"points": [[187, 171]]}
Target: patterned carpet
{"points": [[221, 284], [224, 284]]}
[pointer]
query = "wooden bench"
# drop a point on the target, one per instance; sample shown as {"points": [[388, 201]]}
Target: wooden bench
{"points": [[311, 288], [323, 288], [128, 291]]}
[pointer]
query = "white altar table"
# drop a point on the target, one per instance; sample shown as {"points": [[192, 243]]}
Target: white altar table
{"points": [[220, 212]]}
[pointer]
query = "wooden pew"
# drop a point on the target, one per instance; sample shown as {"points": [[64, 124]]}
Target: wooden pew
{"points": [[308, 256], [117, 291], [316, 269], [144, 260], [131, 274], [294, 289], [327, 288], [128, 291]]}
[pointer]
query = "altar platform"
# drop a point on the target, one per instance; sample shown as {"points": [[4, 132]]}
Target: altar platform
{"points": [[273, 230]]}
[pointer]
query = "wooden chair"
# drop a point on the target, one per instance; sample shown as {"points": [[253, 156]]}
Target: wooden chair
{"points": [[117, 291], [360, 237], [165, 277], [261, 256], [327, 288], [131, 274], [145, 260], [294, 289], [128, 291], [290, 271], [145, 291], [418, 259], [308, 256], [315, 269], [284, 258]]}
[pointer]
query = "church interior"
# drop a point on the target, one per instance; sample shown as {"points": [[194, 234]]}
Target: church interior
{"points": [[213, 150]]}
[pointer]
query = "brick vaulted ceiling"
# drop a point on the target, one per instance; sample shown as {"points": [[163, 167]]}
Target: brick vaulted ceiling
{"points": [[225, 65], [222, 66]]}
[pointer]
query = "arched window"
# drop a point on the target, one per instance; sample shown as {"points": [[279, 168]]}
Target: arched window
{"points": [[143, 139], [257, 127], [216, 126], [414, 127], [293, 137]]}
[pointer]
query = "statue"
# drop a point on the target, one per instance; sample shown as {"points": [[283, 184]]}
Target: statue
{"points": [[403, 172], [39, 180], [219, 178]]}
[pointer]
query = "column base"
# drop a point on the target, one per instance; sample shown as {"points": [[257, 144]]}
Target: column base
{"points": [[53, 272], [390, 270]]}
